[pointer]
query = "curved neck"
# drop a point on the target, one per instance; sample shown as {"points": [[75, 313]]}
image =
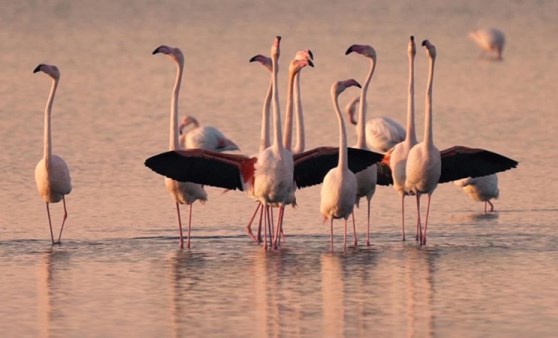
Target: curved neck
{"points": [[47, 152], [411, 136], [361, 136], [428, 138], [288, 127], [343, 164], [264, 134], [173, 131], [299, 119], [277, 142]]}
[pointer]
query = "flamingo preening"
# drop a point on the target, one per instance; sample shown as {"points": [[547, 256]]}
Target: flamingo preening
{"points": [[204, 137], [490, 40], [481, 189]]}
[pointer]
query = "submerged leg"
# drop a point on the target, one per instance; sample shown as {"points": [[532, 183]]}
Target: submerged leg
{"points": [[491, 206]]}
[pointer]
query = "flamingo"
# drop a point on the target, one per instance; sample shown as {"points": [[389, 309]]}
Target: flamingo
{"points": [[398, 158], [52, 174], [366, 179], [491, 40], [382, 133], [481, 189], [182, 192], [339, 186], [205, 137]]}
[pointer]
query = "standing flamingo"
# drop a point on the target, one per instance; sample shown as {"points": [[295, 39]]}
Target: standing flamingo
{"points": [[339, 186], [424, 164], [481, 189], [491, 40], [204, 137], [182, 192], [366, 179], [398, 158], [52, 174]]}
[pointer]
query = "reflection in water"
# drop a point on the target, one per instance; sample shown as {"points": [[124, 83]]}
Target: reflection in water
{"points": [[419, 282], [332, 295], [48, 283]]}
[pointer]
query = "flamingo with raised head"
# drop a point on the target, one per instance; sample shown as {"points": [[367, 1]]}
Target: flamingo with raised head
{"points": [[490, 40], [52, 174], [339, 186], [204, 137], [366, 179], [481, 189], [182, 192]]}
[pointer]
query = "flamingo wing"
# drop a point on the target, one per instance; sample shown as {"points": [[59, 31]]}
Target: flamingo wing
{"points": [[384, 174], [310, 167], [204, 167], [460, 162]]}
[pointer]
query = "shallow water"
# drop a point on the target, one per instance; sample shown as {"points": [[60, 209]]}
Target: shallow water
{"points": [[119, 272]]}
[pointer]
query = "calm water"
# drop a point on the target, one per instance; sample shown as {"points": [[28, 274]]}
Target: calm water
{"points": [[119, 272]]}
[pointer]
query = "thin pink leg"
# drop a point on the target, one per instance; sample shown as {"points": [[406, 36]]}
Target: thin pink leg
{"points": [[262, 211], [278, 227], [355, 238], [189, 226], [426, 221], [403, 217], [485, 207], [331, 233], [266, 223], [345, 236], [181, 243], [50, 224], [419, 225], [491, 206], [249, 226], [270, 224], [63, 220], [368, 226]]}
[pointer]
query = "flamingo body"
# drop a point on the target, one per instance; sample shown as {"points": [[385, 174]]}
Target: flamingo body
{"points": [[491, 40], [481, 189], [338, 193], [203, 137], [383, 133]]}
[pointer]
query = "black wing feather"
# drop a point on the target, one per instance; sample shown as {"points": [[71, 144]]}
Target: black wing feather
{"points": [[197, 167], [461, 162], [384, 175], [312, 166]]}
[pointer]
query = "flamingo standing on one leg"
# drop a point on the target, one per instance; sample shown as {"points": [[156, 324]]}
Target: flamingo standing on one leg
{"points": [[52, 174], [424, 164], [339, 186], [182, 192], [481, 189], [398, 157]]}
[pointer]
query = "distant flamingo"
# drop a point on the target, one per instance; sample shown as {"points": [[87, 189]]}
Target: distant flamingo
{"points": [[398, 158], [204, 137], [490, 40], [339, 186], [52, 174], [481, 189], [182, 192], [366, 179]]}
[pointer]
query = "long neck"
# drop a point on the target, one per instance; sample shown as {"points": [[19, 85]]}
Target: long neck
{"points": [[428, 137], [361, 136], [342, 135], [411, 136], [277, 142], [173, 131], [299, 119], [287, 132], [47, 153], [264, 134]]}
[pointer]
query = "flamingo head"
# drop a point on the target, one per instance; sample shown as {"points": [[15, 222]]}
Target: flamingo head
{"points": [[186, 121], [50, 70], [304, 54], [276, 47], [430, 49], [173, 53], [351, 109], [297, 65], [364, 50], [339, 86], [412, 48], [264, 60]]}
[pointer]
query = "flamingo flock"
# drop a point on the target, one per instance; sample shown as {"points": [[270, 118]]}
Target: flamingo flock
{"points": [[385, 153]]}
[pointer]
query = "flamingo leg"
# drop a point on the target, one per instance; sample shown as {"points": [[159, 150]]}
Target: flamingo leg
{"points": [[368, 226], [419, 225], [278, 227], [355, 239], [485, 204], [491, 206], [331, 233], [426, 221], [266, 223], [271, 225], [189, 226], [249, 226], [345, 237], [181, 243], [403, 217], [63, 220], [262, 211], [50, 224]]}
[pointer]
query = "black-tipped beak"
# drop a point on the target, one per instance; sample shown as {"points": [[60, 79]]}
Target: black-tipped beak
{"points": [[37, 69], [424, 42], [358, 85], [253, 58], [156, 50], [311, 55], [310, 63], [278, 38], [412, 38], [349, 50]]}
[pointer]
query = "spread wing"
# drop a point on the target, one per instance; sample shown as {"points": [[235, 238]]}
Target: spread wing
{"points": [[460, 162]]}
